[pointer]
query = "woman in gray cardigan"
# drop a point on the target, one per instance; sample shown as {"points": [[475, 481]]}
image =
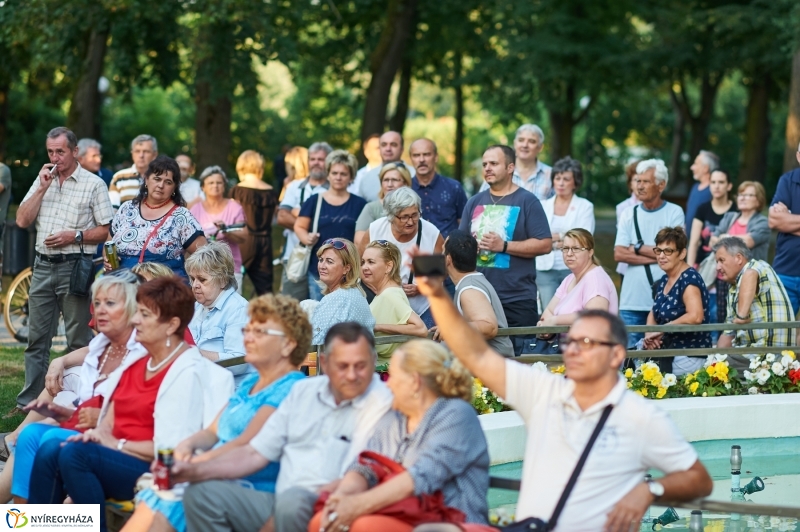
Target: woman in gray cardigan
{"points": [[748, 224]]}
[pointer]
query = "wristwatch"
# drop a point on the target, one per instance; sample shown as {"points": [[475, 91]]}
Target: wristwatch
{"points": [[638, 247], [79, 237], [656, 489]]}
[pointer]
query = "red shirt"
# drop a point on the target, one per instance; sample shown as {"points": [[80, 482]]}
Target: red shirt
{"points": [[134, 402]]}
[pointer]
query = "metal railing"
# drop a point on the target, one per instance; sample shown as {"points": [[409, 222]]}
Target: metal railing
{"points": [[530, 331]]}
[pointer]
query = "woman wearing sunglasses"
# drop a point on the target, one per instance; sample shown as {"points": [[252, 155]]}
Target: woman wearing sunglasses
{"points": [[343, 299], [380, 271], [680, 297], [338, 212]]}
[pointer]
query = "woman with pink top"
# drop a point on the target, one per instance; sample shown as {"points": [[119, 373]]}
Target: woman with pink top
{"points": [[587, 287], [216, 212]]}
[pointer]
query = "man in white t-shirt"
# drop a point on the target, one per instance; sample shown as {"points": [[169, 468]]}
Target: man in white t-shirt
{"points": [[391, 148], [297, 192], [561, 413], [190, 187], [635, 248], [372, 151]]}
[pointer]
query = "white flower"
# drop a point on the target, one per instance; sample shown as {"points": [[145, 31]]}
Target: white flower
{"points": [[762, 376], [770, 358], [727, 386], [721, 358], [755, 363], [786, 362], [796, 364], [709, 360], [541, 366], [752, 390], [669, 380], [748, 376], [778, 369]]}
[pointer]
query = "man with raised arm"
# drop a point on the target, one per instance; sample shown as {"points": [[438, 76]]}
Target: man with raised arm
{"points": [[561, 413]]}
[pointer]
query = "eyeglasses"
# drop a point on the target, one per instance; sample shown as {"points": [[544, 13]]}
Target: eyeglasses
{"points": [[573, 250], [746, 196], [127, 276], [336, 243], [666, 251], [584, 344], [381, 243], [408, 218], [261, 331]]}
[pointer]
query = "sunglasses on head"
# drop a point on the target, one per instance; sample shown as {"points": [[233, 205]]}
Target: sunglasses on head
{"points": [[127, 276], [381, 243], [336, 243]]}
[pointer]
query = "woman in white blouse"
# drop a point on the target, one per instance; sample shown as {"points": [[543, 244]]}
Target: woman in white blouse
{"points": [[564, 211]]}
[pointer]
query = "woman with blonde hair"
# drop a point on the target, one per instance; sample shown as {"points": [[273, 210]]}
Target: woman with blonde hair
{"points": [[380, 271], [338, 212], [433, 432], [259, 201], [587, 286], [296, 161], [343, 299], [392, 176]]}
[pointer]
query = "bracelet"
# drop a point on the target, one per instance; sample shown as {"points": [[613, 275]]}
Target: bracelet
{"points": [[121, 443], [505, 246], [736, 313]]}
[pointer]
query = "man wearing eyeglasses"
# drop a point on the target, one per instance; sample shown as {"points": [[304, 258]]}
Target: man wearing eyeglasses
{"points": [[561, 413], [784, 215]]}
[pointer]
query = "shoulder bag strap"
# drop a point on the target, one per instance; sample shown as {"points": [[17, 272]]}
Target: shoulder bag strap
{"points": [[639, 237], [551, 524], [315, 226], [419, 239], [155, 230], [303, 186]]}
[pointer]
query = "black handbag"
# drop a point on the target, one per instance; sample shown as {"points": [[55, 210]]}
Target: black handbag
{"points": [[534, 523], [541, 346], [80, 282]]}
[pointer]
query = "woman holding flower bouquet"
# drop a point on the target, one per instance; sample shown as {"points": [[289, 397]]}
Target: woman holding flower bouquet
{"points": [[680, 297]]}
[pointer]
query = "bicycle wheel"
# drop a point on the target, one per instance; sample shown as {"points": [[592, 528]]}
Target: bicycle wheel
{"points": [[15, 309]]}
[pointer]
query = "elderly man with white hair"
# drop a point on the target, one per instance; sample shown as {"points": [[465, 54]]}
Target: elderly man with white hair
{"points": [[529, 172], [635, 241]]}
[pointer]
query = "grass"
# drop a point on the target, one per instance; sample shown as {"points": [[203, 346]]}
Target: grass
{"points": [[12, 379]]}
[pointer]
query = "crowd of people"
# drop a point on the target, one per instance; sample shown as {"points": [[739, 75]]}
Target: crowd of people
{"points": [[258, 446]]}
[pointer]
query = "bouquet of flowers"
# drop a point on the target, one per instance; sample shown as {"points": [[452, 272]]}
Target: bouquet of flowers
{"points": [[647, 381], [383, 371], [484, 401], [715, 378], [772, 373]]}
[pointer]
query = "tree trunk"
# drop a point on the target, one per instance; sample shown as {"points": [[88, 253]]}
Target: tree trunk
{"points": [[793, 121], [678, 138], [385, 60], [5, 89], [212, 127], [756, 139], [458, 169], [561, 126], [84, 111], [398, 121]]}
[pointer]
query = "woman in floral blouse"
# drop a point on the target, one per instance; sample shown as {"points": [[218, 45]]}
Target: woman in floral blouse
{"points": [[156, 226]]}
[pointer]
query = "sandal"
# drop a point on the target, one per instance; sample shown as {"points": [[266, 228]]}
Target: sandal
{"points": [[5, 452]]}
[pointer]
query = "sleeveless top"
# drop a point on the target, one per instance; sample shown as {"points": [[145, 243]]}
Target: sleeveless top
{"points": [[476, 281], [381, 229]]}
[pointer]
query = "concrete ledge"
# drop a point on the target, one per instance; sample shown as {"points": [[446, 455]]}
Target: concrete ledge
{"points": [[698, 419]]}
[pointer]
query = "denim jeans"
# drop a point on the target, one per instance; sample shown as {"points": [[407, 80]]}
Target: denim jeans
{"points": [[314, 290], [792, 285], [634, 317], [30, 439], [89, 472]]}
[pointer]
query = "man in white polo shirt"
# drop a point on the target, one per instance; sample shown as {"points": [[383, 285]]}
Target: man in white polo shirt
{"points": [[315, 434], [561, 414]]}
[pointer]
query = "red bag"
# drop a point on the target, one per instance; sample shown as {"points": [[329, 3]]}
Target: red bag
{"points": [[94, 402], [412, 510]]}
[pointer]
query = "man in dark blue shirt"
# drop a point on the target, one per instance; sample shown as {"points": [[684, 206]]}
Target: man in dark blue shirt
{"points": [[443, 198], [784, 216]]}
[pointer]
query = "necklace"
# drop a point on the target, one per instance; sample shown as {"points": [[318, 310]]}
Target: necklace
{"points": [[109, 351], [154, 207], [153, 369], [491, 197]]}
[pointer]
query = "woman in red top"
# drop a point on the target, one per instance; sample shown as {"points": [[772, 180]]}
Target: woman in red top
{"points": [[162, 397]]}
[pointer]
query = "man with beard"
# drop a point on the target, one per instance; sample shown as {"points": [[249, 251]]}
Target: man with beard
{"points": [[296, 193]]}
